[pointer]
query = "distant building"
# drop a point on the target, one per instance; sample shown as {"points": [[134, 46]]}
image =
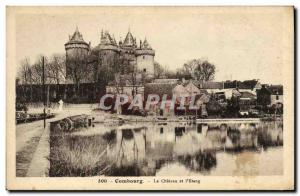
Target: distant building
{"points": [[129, 90], [270, 95], [212, 87], [247, 101], [201, 100], [250, 86], [276, 94], [166, 81], [160, 89]]}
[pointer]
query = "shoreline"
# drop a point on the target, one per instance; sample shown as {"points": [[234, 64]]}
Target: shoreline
{"points": [[153, 119]]}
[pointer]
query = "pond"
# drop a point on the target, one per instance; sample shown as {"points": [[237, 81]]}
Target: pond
{"points": [[169, 149]]}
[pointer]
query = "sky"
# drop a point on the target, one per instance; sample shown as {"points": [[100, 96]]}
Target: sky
{"points": [[242, 43]]}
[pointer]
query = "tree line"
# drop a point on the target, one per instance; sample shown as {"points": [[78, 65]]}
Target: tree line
{"points": [[32, 73], [91, 69], [196, 69]]}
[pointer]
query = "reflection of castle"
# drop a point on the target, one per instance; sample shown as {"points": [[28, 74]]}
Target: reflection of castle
{"points": [[148, 149], [109, 54]]}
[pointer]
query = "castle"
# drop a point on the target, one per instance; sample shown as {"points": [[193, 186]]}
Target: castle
{"points": [[108, 54]]}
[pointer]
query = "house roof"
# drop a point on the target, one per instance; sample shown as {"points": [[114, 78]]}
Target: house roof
{"points": [[191, 88], [248, 84], [204, 98], [271, 90], [236, 93], [203, 91], [247, 95], [180, 90], [166, 81], [211, 85], [194, 82], [159, 89]]}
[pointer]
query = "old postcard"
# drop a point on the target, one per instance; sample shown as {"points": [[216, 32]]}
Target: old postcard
{"points": [[150, 98]]}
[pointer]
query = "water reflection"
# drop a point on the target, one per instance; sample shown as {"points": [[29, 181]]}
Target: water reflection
{"points": [[167, 148]]}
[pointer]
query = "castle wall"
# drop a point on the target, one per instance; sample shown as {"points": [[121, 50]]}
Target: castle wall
{"points": [[129, 56], [76, 53], [109, 59]]}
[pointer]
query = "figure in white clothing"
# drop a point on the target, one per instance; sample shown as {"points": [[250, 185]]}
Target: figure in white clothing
{"points": [[61, 104]]}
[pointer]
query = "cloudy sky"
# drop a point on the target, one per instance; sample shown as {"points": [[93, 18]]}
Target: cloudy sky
{"points": [[242, 43]]}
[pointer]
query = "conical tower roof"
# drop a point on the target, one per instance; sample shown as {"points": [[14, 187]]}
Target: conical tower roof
{"points": [[107, 42], [129, 40], [106, 39], [77, 41], [146, 45], [114, 40], [145, 49], [77, 36]]}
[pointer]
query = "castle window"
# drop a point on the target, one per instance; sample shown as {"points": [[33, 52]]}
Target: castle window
{"points": [[145, 70], [161, 130], [143, 57]]}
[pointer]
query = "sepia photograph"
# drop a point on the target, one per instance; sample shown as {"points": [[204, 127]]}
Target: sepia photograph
{"points": [[150, 98]]}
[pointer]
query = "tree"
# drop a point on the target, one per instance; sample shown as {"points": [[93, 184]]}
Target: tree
{"points": [[199, 70], [37, 70], [158, 70], [214, 107], [25, 77], [78, 69], [182, 73], [25, 72], [233, 107], [56, 71], [189, 67]]}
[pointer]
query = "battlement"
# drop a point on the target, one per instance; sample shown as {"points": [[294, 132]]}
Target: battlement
{"points": [[139, 52]]}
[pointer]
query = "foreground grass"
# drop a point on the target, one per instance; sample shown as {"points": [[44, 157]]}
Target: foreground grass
{"points": [[77, 155]]}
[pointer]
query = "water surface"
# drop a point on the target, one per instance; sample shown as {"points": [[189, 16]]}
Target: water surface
{"points": [[174, 149]]}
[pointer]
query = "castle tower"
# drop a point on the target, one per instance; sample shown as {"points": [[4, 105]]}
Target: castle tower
{"points": [[76, 52], [145, 58], [108, 51], [128, 49]]}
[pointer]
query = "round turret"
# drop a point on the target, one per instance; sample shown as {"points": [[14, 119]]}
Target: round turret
{"points": [[76, 51], [107, 50], [145, 58], [77, 42]]}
